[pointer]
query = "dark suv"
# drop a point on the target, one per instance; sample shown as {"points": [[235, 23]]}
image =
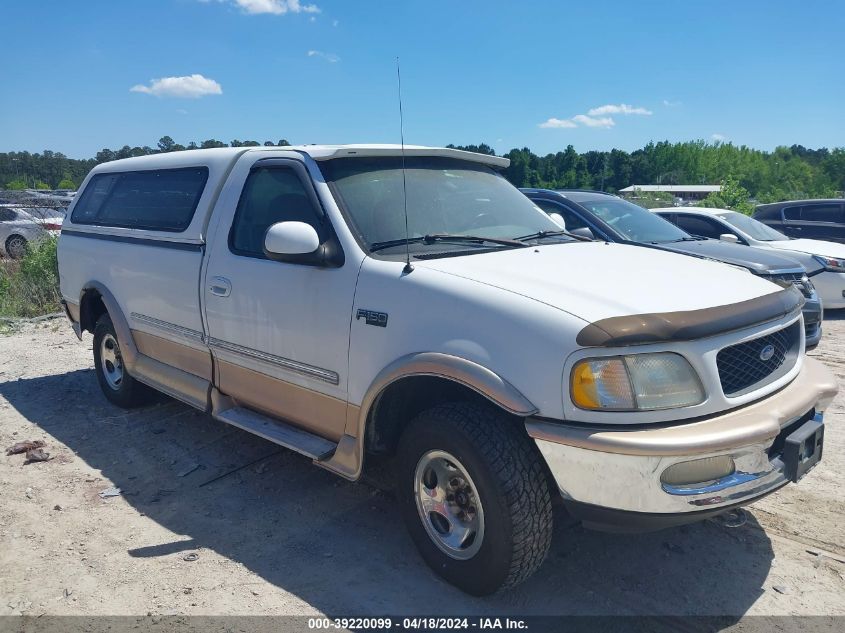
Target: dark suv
{"points": [[810, 219], [599, 215]]}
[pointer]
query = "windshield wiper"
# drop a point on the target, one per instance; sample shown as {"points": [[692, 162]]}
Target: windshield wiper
{"points": [[446, 237], [541, 234]]}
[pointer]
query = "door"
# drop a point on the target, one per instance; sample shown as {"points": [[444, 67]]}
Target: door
{"points": [[816, 220], [279, 332]]}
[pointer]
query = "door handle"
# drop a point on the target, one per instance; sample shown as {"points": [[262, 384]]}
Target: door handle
{"points": [[220, 286]]}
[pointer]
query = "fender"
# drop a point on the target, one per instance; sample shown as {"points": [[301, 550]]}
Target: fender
{"points": [[128, 350], [348, 460]]}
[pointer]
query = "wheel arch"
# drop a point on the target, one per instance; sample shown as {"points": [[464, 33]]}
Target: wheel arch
{"points": [[417, 381], [94, 301]]}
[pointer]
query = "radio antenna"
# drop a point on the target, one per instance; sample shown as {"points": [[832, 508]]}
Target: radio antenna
{"points": [[408, 267]]}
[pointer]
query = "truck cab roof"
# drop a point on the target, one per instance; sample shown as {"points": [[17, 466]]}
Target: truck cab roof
{"points": [[224, 156]]}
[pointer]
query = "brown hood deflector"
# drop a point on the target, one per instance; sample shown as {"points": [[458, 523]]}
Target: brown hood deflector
{"points": [[662, 327]]}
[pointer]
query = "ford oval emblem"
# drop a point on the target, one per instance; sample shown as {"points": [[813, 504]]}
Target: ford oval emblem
{"points": [[767, 352]]}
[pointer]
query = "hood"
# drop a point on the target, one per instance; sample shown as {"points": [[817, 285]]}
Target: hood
{"points": [[598, 280], [757, 260], [813, 247]]}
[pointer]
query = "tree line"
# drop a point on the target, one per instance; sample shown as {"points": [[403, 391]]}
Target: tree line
{"points": [[783, 174], [54, 170]]}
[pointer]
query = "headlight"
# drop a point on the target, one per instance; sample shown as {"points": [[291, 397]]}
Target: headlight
{"points": [[833, 264], [640, 382]]}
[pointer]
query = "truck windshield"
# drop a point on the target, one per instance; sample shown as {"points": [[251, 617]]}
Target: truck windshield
{"points": [[444, 196], [755, 229], [632, 222]]}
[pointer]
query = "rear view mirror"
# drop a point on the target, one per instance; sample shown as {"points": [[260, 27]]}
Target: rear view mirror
{"points": [[558, 219], [729, 238], [290, 238], [583, 232]]}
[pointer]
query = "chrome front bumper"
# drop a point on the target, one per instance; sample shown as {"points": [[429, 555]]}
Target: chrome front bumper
{"points": [[611, 477]]}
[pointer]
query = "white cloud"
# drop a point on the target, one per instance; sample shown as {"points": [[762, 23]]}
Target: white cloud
{"points": [[329, 57], [273, 7], [335, 22], [187, 87], [718, 137], [605, 122], [622, 108], [558, 123], [671, 104], [596, 117]]}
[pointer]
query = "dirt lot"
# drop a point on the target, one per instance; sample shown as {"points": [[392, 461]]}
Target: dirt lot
{"points": [[282, 537]]}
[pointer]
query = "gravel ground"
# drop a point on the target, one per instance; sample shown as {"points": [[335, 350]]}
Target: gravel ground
{"points": [[280, 536]]}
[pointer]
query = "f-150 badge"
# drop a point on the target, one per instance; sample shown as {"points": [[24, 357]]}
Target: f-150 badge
{"points": [[371, 317]]}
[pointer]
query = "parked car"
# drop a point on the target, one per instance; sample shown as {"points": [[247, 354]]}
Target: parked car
{"points": [[595, 214], [19, 227], [724, 224], [808, 219], [299, 294]]}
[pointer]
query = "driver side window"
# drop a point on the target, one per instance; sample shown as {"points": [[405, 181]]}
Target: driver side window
{"points": [[270, 195]]}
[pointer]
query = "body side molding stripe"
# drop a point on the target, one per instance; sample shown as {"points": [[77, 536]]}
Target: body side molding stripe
{"points": [[325, 375], [131, 239], [311, 371], [166, 325]]}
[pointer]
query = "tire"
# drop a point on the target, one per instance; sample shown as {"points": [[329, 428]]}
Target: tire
{"points": [[16, 246], [116, 383], [500, 501]]}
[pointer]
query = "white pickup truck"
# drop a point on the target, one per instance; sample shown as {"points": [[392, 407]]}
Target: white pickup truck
{"points": [[358, 301]]}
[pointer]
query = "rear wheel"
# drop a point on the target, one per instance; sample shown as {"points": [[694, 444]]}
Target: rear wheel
{"points": [[474, 496], [116, 383], [16, 246]]}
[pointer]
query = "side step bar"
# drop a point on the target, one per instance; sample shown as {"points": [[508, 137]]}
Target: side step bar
{"points": [[279, 432]]}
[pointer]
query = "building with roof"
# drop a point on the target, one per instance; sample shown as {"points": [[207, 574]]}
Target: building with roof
{"points": [[686, 193]]}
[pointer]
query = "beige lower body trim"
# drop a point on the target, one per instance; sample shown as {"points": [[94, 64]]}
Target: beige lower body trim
{"points": [[176, 383], [757, 423], [72, 311], [313, 411], [189, 359]]}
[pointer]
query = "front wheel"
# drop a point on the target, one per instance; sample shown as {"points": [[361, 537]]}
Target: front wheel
{"points": [[474, 496], [117, 385]]}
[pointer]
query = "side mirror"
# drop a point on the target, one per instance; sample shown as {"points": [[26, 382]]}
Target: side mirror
{"points": [[557, 218], [290, 238], [729, 238], [584, 232]]}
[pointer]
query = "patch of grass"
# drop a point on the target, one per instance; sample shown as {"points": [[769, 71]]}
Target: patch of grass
{"points": [[30, 286]]}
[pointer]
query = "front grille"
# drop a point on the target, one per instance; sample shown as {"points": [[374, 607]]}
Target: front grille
{"points": [[742, 368], [797, 279]]}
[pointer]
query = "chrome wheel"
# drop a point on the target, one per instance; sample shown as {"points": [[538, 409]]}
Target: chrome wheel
{"points": [[448, 504], [111, 363], [16, 247]]}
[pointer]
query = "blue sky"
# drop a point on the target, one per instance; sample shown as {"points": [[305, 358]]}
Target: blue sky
{"points": [[536, 73]]}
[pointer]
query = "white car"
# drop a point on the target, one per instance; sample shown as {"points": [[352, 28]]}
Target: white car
{"points": [[736, 227], [22, 226], [409, 303]]}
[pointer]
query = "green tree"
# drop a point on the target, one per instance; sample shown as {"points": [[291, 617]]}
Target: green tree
{"points": [[732, 196], [66, 183], [16, 185]]}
